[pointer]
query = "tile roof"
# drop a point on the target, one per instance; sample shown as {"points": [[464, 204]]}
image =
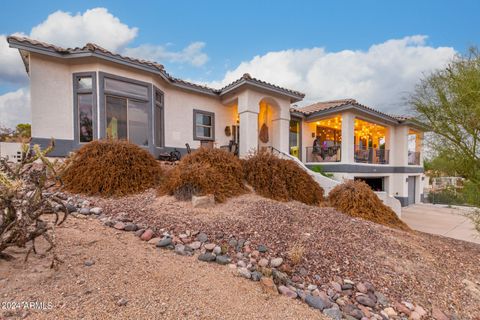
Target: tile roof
{"points": [[337, 104], [94, 48]]}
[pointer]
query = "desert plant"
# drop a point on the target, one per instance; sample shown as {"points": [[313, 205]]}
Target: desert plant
{"points": [[474, 215], [111, 168], [281, 179], [357, 199], [24, 201], [206, 171], [295, 253]]}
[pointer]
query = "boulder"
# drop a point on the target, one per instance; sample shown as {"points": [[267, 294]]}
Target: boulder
{"points": [[147, 235]]}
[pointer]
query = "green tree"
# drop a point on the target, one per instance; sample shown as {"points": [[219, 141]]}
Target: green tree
{"points": [[23, 130], [448, 103]]}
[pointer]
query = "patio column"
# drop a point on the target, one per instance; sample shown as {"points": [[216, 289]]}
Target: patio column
{"points": [[348, 140], [248, 114]]}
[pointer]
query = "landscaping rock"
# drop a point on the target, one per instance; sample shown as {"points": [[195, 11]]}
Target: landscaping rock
{"points": [[268, 285], [130, 227], [147, 235], [202, 237], [256, 276], [402, 308], [154, 241], [262, 248], [139, 232], [287, 292], [315, 302], [164, 242], [122, 302], [207, 257], [336, 286], [276, 262], [71, 208], [89, 263], [312, 287], [353, 311], [96, 211], [207, 201], [390, 312], [217, 250], [280, 277], [223, 260], [84, 211], [361, 288], [333, 313], [366, 301], [420, 311], [180, 249], [244, 272], [381, 299], [195, 245], [414, 316], [119, 226], [209, 246], [263, 262]]}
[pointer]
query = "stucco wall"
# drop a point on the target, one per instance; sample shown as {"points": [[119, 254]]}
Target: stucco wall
{"points": [[52, 102]]}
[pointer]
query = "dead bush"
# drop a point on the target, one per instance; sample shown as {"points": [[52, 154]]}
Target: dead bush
{"points": [[281, 179], [295, 253], [25, 198], [111, 168], [206, 171], [357, 199]]}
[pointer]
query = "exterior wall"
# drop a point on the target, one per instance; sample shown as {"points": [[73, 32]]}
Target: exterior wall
{"points": [[52, 104]]}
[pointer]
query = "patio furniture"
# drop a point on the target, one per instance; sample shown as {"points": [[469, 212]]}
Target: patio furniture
{"points": [[171, 156], [189, 150]]}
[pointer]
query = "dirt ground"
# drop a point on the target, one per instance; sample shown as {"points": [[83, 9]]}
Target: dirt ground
{"points": [[157, 283]]}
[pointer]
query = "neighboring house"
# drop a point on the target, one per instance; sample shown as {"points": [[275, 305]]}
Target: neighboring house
{"points": [[11, 150], [82, 94]]}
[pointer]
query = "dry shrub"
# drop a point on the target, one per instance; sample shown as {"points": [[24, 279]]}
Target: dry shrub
{"points": [[295, 253], [357, 199], [281, 179], [206, 171], [111, 168]]}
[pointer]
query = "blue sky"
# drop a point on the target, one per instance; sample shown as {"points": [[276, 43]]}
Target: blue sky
{"points": [[207, 41]]}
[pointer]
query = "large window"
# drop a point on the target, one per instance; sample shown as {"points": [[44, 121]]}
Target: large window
{"points": [[203, 125], [84, 95], [294, 138], [126, 108]]}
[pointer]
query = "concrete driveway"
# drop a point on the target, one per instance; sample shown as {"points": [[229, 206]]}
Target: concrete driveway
{"points": [[441, 220]]}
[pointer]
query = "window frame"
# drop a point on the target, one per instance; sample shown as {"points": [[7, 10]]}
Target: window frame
{"points": [[212, 126], [76, 117], [103, 93], [158, 128]]}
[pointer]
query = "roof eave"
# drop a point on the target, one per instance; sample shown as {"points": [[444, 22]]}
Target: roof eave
{"points": [[358, 108], [242, 82]]}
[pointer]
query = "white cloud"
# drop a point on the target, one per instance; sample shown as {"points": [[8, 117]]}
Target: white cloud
{"points": [[95, 25], [15, 108], [192, 54], [75, 30], [380, 77]]}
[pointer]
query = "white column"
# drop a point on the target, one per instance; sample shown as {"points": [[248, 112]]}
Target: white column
{"points": [[348, 140], [281, 131], [248, 114], [399, 154]]}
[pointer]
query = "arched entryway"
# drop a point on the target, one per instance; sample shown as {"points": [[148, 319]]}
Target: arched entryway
{"points": [[268, 131]]}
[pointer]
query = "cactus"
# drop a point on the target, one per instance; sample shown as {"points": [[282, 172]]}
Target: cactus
{"points": [[24, 202]]}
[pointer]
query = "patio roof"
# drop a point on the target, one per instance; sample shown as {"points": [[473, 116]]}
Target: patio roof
{"points": [[24, 44]]}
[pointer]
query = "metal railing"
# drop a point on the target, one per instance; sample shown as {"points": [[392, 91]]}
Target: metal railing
{"points": [[324, 154], [414, 158], [371, 155]]}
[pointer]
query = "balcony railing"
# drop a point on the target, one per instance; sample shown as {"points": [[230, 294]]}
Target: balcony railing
{"points": [[413, 158], [371, 155], [324, 154]]}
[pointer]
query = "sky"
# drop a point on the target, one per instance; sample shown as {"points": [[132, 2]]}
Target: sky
{"points": [[372, 51]]}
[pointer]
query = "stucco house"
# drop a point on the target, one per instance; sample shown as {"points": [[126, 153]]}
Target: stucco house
{"points": [[82, 94]]}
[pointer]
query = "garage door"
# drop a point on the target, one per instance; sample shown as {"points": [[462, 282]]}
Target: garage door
{"points": [[411, 190]]}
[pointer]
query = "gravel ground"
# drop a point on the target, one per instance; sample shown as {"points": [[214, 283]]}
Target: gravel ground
{"points": [[406, 266], [156, 284]]}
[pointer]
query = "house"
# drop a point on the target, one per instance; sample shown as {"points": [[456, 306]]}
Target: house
{"points": [[11, 150], [82, 94]]}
